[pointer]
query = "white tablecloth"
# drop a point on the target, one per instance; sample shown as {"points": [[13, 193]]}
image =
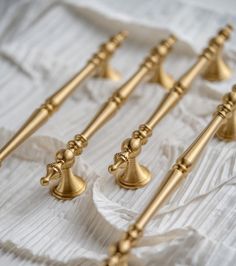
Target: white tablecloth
{"points": [[42, 44]]}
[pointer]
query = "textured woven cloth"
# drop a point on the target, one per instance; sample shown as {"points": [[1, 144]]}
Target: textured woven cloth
{"points": [[42, 45]]}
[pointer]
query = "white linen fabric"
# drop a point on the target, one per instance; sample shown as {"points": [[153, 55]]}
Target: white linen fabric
{"points": [[42, 45]]}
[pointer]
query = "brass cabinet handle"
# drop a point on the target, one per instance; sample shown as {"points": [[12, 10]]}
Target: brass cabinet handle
{"points": [[222, 119], [71, 185], [97, 65], [128, 172]]}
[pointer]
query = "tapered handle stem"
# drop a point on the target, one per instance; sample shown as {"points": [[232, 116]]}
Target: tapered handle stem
{"points": [[179, 170], [187, 160], [109, 109], [42, 114], [151, 62], [59, 97], [52, 104], [182, 86]]}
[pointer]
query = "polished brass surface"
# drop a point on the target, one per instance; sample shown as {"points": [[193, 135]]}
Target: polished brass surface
{"points": [[159, 75], [128, 172], [70, 185], [179, 171], [228, 130], [98, 65], [218, 70], [133, 175]]}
